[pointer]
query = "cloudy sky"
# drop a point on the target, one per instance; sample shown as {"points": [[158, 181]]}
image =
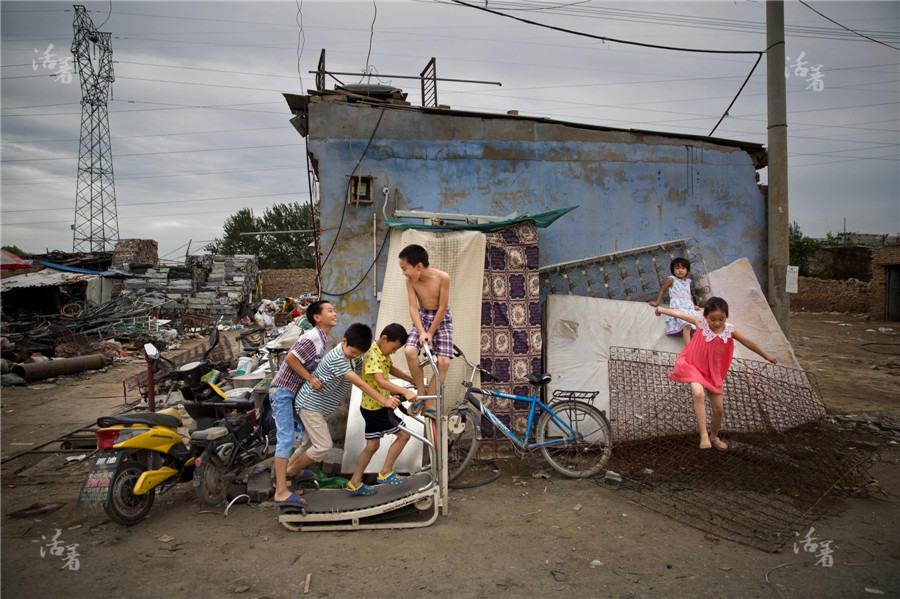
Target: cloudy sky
{"points": [[199, 128]]}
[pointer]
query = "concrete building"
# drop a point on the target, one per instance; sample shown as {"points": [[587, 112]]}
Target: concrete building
{"points": [[884, 288], [373, 156]]}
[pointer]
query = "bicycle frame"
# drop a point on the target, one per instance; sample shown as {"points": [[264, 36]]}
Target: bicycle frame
{"points": [[535, 403]]}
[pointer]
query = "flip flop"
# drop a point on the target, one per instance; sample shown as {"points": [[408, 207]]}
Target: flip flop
{"points": [[305, 476], [293, 500], [719, 444], [431, 413], [415, 407]]}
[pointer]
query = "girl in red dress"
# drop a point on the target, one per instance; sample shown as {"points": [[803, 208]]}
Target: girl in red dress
{"points": [[705, 362]]}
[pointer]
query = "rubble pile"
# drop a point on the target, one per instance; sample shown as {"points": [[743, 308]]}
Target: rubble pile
{"points": [[218, 286]]}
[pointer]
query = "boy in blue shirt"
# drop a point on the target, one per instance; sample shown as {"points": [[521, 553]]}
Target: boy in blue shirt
{"points": [[339, 369]]}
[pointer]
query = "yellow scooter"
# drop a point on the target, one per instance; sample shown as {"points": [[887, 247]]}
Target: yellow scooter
{"points": [[136, 454], [141, 452]]}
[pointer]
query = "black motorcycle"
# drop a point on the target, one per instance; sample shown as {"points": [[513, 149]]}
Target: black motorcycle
{"points": [[237, 442]]}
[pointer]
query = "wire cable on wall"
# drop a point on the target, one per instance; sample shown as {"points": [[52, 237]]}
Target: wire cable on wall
{"points": [[368, 270], [349, 183]]}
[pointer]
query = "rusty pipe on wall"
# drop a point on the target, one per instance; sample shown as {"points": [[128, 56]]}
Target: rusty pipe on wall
{"points": [[45, 370]]}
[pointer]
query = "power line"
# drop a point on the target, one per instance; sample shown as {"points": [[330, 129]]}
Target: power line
{"points": [[181, 201], [142, 216], [604, 38], [159, 175], [44, 141], [847, 28], [158, 153], [679, 20], [301, 39]]}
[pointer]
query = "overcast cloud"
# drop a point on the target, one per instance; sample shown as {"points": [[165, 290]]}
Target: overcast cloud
{"points": [[199, 127]]}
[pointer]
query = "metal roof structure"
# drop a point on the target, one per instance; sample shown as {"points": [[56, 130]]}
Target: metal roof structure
{"points": [[44, 278]]}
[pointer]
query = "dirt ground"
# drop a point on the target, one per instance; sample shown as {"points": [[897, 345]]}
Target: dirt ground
{"points": [[517, 537]]}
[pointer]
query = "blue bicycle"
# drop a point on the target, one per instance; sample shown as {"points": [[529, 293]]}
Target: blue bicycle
{"points": [[571, 434]]}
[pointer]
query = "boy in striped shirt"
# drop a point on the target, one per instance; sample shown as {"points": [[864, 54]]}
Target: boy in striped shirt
{"points": [[295, 371], [339, 369]]}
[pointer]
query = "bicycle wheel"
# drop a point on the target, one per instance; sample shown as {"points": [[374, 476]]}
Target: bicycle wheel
{"points": [[462, 442], [588, 452]]}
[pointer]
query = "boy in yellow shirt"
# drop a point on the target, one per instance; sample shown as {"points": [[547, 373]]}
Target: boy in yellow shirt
{"points": [[380, 419]]}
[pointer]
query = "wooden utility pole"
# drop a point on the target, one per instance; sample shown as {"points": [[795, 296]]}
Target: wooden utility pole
{"points": [[778, 222]]}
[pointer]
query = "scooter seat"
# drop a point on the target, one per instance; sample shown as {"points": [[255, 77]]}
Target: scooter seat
{"points": [[148, 418], [209, 434]]}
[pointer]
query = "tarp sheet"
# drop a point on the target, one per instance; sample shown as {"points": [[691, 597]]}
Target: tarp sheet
{"points": [[580, 330], [9, 261]]}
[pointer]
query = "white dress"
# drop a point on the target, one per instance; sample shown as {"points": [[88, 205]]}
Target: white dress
{"points": [[680, 299]]}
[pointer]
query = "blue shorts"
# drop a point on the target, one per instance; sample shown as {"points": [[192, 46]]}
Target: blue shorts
{"points": [[287, 423]]}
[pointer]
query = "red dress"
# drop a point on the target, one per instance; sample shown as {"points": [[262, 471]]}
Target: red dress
{"points": [[706, 358]]}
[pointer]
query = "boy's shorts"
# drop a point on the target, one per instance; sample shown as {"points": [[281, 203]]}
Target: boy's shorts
{"points": [[380, 422], [443, 337], [287, 426]]}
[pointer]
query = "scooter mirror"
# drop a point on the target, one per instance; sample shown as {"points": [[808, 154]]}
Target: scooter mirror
{"points": [[150, 351], [213, 341]]}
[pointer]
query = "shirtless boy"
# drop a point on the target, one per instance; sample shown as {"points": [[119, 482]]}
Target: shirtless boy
{"points": [[429, 291]]}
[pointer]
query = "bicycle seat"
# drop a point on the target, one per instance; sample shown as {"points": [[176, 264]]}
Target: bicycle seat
{"points": [[539, 380]]}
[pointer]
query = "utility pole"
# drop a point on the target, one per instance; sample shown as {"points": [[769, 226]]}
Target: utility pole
{"points": [[778, 221], [96, 227]]}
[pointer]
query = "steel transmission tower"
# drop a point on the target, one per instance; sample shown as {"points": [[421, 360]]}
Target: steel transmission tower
{"points": [[96, 227]]}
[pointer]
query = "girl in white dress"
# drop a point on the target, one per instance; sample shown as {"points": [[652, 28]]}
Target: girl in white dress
{"points": [[679, 287]]}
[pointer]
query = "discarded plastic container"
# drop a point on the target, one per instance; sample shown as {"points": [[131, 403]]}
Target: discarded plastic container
{"points": [[246, 365]]}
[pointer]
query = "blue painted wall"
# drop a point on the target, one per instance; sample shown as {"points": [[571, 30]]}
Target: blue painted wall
{"points": [[633, 189]]}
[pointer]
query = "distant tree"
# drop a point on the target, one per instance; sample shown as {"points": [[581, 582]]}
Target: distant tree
{"points": [[15, 250], [284, 250], [802, 248]]}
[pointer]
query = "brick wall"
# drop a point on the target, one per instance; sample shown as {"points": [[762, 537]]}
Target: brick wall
{"points": [[288, 282], [827, 295], [881, 258]]}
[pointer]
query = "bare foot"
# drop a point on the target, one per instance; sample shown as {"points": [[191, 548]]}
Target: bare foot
{"points": [[719, 444], [705, 444]]}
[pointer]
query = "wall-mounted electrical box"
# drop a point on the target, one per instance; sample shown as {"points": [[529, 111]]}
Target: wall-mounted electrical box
{"points": [[360, 189]]}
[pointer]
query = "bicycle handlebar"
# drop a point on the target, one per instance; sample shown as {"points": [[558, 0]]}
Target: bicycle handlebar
{"points": [[475, 367]]}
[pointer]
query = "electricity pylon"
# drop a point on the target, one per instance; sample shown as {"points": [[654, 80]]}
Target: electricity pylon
{"points": [[96, 227]]}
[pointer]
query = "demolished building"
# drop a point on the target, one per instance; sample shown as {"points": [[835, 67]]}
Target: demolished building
{"points": [[376, 157]]}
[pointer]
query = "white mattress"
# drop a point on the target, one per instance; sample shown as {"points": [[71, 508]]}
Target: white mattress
{"points": [[580, 330]]}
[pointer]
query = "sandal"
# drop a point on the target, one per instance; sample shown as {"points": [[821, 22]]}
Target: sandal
{"points": [[719, 444], [362, 489], [293, 501], [391, 479]]}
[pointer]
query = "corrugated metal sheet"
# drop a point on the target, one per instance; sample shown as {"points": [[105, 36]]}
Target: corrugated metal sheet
{"points": [[45, 278]]}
